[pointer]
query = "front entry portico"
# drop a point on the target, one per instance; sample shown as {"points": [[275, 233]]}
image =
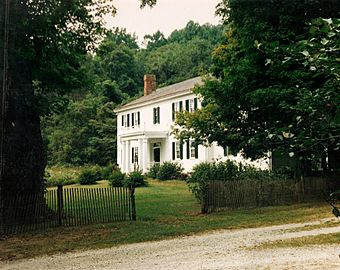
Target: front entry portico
{"points": [[141, 152]]}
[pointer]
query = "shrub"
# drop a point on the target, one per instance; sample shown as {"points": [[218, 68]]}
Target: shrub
{"points": [[116, 178], [108, 170], [61, 176], [169, 170], [227, 171], [153, 171], [90, 176], [198, 181], [134, 179]]}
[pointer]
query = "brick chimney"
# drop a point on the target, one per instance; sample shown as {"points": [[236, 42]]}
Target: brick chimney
{"points": [[149, 84]]}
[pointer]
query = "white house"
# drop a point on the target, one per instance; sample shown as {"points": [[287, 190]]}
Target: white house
{"points": [[144, 129]]}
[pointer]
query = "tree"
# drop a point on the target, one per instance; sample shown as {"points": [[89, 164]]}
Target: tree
{"points": [[85, 133], [185, 54], [44, 44], [154, 41], [265, 96]]}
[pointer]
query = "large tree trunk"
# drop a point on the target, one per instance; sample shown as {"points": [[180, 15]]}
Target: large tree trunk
{"points": [[22, 153]]}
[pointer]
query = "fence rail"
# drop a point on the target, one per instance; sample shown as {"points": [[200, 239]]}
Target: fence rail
{"points": [[68, 206], [257, 193]]}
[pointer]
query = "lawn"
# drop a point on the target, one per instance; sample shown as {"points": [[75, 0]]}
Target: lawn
{"points": [[164, 210]]}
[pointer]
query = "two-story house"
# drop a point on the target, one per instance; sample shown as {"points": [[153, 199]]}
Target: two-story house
{"points": [[144, 129]]}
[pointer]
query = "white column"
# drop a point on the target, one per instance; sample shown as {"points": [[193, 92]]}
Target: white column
{"points": [[145, 155], [127, 157], [121, 154], [140, 154]]}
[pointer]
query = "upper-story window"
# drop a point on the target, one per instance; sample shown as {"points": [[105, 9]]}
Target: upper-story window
{"points": [[125, 120], [156, 115], [176, 107], [135, 119], [132, 120], [191, 104]]}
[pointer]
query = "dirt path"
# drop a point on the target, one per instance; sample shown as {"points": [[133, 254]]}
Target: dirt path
{"points": [[227, 249]]}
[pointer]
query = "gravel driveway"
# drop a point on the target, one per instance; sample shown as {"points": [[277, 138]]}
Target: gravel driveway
{"points": [[227, 249]]}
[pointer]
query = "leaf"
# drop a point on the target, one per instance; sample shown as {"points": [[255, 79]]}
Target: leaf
{"points": [[305, 53], [287, 135], [268, 61], [291, 154], [324, 41]]}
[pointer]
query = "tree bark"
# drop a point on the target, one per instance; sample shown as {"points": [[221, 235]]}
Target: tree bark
{"points": [[23, 157]]}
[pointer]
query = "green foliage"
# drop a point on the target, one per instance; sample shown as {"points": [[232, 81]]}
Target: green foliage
{"points": [[169, 171], [116, 178], [61, 176], [134, 179], [205, 172], [84, 134], [90, 176], [185, 54], [276, 81], [153, 171]]}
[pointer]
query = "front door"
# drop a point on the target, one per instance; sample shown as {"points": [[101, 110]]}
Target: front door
{"points": [[157, 153]]}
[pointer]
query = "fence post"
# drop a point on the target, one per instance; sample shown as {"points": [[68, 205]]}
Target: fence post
{"points": [[204, 198], [60, 204], [133, 202]]}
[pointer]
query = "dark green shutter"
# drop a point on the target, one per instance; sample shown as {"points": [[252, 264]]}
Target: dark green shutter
{"points": [[188, 150], [133, 153], [128, 120], [132, 119], [159, 115], [122, 120], [138, 118], [181, 150], [187, 105], [154, 115], [196, 151], [173, 111], [195, 104], [173, 151], [225, 152], [180, 106]]}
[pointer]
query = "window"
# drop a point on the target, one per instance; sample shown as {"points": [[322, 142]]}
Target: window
{"points": [[177, 150], [134, 158], [191, 105], [176, 107], [135, 119], [192, 150], [125, 120], [156, 115]]}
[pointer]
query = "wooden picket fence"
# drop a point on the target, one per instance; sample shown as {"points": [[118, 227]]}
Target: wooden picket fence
{"points": [[257, 193], [68, 206]]}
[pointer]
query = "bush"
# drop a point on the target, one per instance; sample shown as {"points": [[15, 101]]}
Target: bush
{"points": [[90, 176], [116, 178], [169, 171], [153, 171], [61, 176], [134, 179], [225, 171], [198, 181], [108, 170]]}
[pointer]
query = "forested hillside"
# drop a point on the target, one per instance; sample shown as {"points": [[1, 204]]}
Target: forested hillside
{"points": [[84, 131]]}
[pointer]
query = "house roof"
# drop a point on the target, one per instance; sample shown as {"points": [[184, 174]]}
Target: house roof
{"points": [[162, 93]]}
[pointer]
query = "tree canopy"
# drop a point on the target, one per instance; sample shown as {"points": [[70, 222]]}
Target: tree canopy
{"points": [[275, 83]]}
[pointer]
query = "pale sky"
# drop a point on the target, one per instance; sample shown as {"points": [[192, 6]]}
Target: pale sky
{"points": [[166, 16]]}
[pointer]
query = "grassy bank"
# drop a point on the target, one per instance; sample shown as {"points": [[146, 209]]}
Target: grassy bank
{"points": [[164, 210]]}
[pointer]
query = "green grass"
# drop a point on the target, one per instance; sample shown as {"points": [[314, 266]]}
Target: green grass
{"points": [[164, 210]]}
